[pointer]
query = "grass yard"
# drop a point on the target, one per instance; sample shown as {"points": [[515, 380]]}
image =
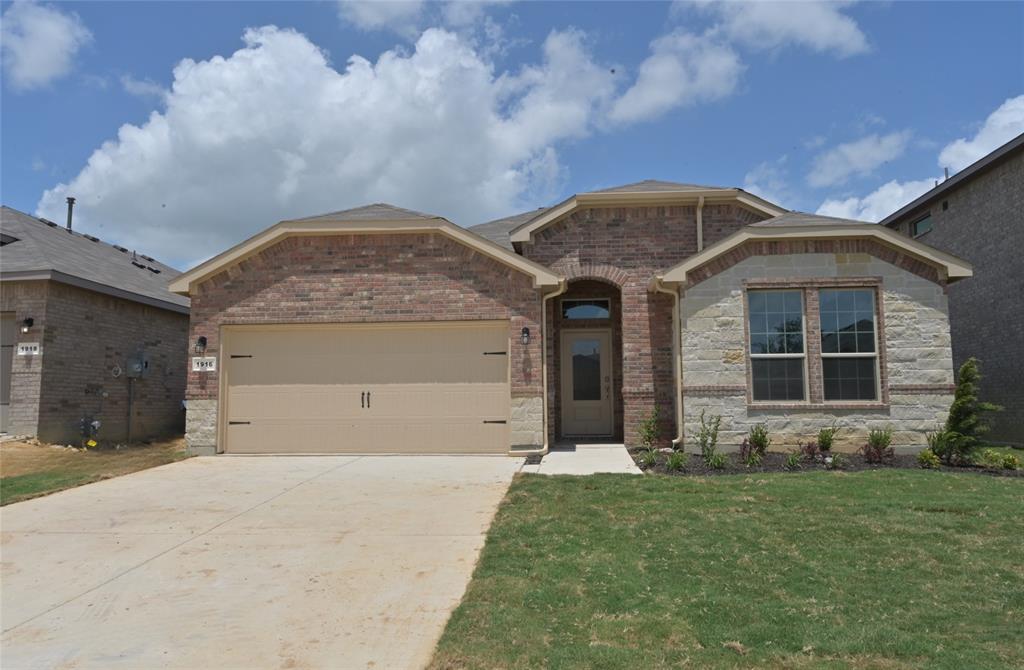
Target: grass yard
{"points": [[31, 470], [885, 569]]}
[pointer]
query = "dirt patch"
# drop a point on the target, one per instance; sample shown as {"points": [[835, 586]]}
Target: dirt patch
{"points": [[777, 462]]}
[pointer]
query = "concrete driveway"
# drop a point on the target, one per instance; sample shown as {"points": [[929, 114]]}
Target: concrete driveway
{"points": [[247, 562]]}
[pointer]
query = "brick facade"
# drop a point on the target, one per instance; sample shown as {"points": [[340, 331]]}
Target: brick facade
{"points": [[982, 221], [626, 246], [86, 338], [348, 278]]}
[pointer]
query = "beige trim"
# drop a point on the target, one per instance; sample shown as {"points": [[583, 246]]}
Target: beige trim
{"points": [[183, 284], [700, 223], [525, 232], [950, 266], [563, 286], [677, 354]]}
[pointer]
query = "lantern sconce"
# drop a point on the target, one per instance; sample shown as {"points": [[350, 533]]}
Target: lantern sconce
{"points": [[525, 337], [26, 324], [201, 345]]}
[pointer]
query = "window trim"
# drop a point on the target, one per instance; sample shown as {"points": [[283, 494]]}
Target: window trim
{"points": [[751, 356], [913, 226], [876, 354], [563, 301], [815, 393]]}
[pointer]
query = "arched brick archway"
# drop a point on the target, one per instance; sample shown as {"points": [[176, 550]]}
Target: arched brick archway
{"points": [[604, 273]]}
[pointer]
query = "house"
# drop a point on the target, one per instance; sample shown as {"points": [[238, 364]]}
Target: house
{"points": [[90, 331], [978, 214], [385, 329]]}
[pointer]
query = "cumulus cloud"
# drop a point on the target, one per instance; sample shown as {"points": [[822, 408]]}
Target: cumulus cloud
{"points": [[999, 128], [769, 181], [143, 88], [273, 131], [401, 16], [682, 69], [879, 204], [820, 25], [39, 43], [860, 157]]}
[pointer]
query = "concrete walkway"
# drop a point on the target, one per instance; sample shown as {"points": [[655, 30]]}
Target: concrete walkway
{"points": [[585, 459], [247, 562]]}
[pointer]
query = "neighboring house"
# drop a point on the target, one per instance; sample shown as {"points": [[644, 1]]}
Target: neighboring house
{"points": [[978, 214], [90, 331], [383, 329]]}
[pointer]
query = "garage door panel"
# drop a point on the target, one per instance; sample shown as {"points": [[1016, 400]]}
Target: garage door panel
{"points": [[430, 389]]}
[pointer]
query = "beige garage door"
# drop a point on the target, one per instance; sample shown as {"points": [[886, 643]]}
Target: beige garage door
{"points": [[375, 388]]}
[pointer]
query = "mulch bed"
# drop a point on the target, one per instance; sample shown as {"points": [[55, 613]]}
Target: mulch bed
{"points": [[776, 462]]}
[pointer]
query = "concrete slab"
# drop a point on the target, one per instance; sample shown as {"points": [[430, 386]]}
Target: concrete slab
{"points": [[343, 562], [586, 459]]}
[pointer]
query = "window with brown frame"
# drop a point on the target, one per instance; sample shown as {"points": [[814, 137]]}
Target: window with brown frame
{"points": [[849, 348], [777, 356]]}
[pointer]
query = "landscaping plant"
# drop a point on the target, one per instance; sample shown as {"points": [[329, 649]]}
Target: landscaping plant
{"points": [[878, 447], [648, 458], [715, 461], [996, 460], [677, 461], [649, 433], [792, 461], [836, 461], [826, 436], [810, 451], [707, 436], [928, 459], [749, 454], [965, 424], [755, 445]]}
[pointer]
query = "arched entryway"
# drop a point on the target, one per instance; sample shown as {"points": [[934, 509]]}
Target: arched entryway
{"points": [[586, 344]]}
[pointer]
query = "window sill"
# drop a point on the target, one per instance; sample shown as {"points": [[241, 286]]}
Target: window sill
{"points": [[817, 406]]}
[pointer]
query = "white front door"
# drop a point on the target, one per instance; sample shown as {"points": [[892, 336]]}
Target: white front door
{"points": [[586, 383]]}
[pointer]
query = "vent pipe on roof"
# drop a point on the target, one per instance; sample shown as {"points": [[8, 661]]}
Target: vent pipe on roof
{"points": [[71, 206], [946, 172]]}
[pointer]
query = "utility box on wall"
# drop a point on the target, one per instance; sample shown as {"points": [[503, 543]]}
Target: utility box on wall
{"points": [[136, 367]]}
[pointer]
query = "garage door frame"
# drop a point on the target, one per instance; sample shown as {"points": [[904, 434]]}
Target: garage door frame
{"points": [[225, 352]]}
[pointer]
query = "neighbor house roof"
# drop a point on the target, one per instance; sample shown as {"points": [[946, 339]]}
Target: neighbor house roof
{"points": [[370, 219], [643, 193], [969, 172], [793, 226], [38, 249], [497, 231]]}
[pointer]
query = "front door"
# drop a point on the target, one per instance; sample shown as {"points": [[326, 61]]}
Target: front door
{"points": [[586, 383]]}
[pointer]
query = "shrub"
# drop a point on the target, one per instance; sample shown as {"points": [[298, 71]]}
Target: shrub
{"points": [[877, 449], [707, 436], [942, 445], [1011, 462], [649, 430], [792, 461], [749, 454], [927, 459], [716, 461], [836, 461], [677, 461], [759, 439], [996, 460], [826, 436], [810, 451], [648, 458], [965, 424]]}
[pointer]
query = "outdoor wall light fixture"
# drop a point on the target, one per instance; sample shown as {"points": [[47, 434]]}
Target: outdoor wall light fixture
{"points": [[525, 335], [26, 324], [201, 345]]}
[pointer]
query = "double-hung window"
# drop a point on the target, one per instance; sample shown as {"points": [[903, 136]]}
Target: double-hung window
{"points": [[849, 344], [777, 353]]}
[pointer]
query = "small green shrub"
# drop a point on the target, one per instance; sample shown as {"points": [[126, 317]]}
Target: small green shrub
{"points": [[707, 435], [877, 449], [792, 461], [1011, 462], [648, 458], [837, 462], [716, 461], [749, 454], [996, 460], [810, 451], [759, 439], [826, 436], [928, 459], [649, 429], [966, 423], [941, 444], [677, 461]]}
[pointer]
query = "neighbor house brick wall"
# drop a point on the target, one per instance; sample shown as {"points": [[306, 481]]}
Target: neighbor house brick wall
{"points": [[628, 246], [982, 221], [25, 299], [86, 337], [918, 370], [365, 279]]}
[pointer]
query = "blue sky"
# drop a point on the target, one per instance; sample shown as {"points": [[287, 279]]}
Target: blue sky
{"points": [[475, 111]]}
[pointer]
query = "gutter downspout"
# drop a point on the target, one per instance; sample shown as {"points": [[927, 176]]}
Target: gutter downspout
{"points": [[677, 364], [700, 225], [563, 286]]}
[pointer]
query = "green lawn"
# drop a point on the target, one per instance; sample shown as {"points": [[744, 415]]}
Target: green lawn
{"points": [[885, 569]]}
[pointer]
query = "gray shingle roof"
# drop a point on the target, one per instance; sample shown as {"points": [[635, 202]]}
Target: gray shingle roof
{"points": [[40, 248], [380, 211], [805, 219], [649, 185], [497, 231]]}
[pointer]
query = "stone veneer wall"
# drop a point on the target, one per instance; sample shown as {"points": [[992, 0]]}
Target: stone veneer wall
{"points": [[626, 247], [364, 279], [917, 359]]}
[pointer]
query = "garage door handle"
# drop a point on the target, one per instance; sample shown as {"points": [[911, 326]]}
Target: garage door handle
{"points": [[495, 421], [495, 353], [362, 399], [238, 423], [367, 400]]}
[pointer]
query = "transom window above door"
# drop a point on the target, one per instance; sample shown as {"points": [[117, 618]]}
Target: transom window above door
{"points": [[590, 308]]}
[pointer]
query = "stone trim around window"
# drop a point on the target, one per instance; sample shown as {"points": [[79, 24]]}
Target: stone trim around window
{"points": [[810, 286]]}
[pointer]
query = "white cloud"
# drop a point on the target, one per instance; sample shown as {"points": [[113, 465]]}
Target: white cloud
{"points": [[769, 181], [999, 128], [682, 69], [861, 157], [879, 204], [273, 131], [819, 25], [143, 88], [401, 16], [39, 44]]}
